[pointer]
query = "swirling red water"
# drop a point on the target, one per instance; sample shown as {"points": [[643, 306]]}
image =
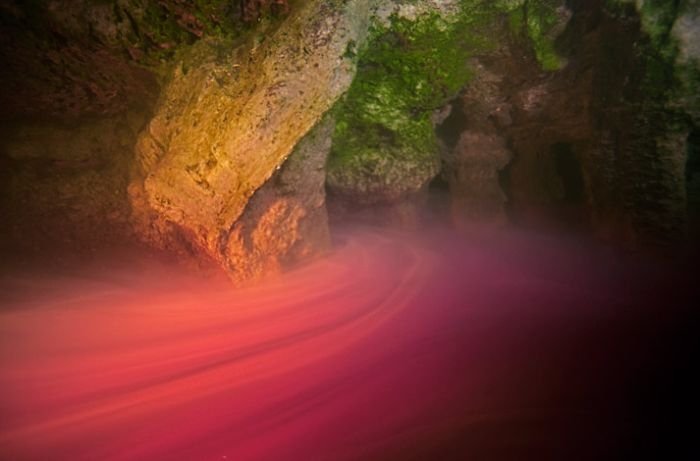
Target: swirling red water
{"points": [[392, 347]]}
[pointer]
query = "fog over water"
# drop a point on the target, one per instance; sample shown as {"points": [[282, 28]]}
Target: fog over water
{"points": [[395, 346]]}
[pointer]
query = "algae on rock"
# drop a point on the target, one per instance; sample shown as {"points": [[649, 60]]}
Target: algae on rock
{"points": [[384, 146]]}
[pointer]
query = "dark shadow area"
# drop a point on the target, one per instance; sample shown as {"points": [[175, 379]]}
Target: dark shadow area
{"points": [[692, 176], [569, 170], [570, 209], [504, 181], [453, 126], [438, 201]]}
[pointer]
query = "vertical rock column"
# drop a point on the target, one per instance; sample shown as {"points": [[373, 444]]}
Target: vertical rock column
{"points": [[473, 165]]}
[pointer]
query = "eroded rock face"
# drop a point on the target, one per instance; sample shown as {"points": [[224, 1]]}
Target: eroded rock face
{"points": [[285, 221], [228, 118], [72, 58], [64, 185], [476, 152], [592, 119], [641, 113], [601, 144], [78, 81], [385, 150]]}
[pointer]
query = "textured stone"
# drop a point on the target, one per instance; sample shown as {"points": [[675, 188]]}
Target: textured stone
{"points": [[285, 221], [230, 116], [473, 159], [64, 186], [385, 149]]}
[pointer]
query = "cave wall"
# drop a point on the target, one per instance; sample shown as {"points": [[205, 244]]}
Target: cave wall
{"points": [[182, 125], [623, 108], [572, 115], [598, 144], [285, 222], [385, 147], [64, 183], [79, 81], [229, 116]]}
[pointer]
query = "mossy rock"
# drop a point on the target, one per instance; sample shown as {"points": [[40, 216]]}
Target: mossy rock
{"points": [[384, 144]]}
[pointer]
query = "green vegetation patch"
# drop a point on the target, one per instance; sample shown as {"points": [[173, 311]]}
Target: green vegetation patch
{"points": [[666, 83], [409, 69], [406, 72]]}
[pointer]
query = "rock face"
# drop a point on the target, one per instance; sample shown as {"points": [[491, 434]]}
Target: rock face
{"points": [[528, 110], [285, 221], [604, 143], [64, 185], [385, 149], [72, 58], [78, 81], [229, 117], [475, 151], [604, 139]]}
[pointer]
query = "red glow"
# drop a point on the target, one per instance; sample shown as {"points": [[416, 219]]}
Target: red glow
{"points": [[387, 348]]}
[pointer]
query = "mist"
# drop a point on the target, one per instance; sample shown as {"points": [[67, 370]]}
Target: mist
{"points": [[395, 345], [357, 230]]}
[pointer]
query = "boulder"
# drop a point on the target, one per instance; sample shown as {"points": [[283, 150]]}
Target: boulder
{"points": [[227, 120]]}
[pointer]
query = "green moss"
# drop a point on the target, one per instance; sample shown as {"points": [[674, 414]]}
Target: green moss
{"points": [[409, 69], [663, 79], [537, 21], [405, 72], [163, 31], [516, 19], [541, 18]]}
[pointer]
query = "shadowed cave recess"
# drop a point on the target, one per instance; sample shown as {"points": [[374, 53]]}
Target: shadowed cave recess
{"points": [[348, 229]]}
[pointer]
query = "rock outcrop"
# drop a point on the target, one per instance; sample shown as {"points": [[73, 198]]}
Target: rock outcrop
{"points": [[64, 184], [78, 80], [285, 221], [475, 151], [229, 117], [385, 149], [529, 111], [604, 140]]}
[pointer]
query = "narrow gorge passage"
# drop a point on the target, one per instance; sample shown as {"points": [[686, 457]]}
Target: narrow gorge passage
{"points": [[395, 346]]}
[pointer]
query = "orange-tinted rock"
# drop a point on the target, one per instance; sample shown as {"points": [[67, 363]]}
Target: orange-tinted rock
{"points": [[229, 117], [285, 221]]}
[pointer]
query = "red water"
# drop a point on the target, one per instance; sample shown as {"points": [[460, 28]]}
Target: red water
{"points": [[393, 347]]}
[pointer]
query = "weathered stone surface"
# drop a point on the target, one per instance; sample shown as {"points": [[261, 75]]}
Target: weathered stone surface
{"points": [[477, 198], [230, 116], [285, 221], [473, 159], [607, 135], [385, 149], [77, 59], [64, 185], [618, 118]]}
